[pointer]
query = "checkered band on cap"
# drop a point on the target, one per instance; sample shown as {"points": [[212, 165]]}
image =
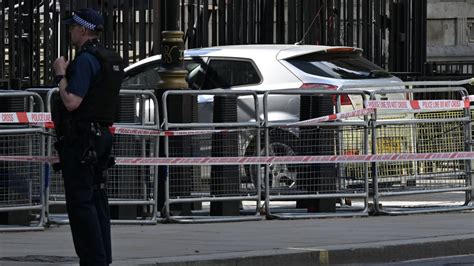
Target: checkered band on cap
{"points": [[83, 22]]}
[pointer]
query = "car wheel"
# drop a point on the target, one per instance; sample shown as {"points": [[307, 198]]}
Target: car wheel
{"points": [[281, 176]]}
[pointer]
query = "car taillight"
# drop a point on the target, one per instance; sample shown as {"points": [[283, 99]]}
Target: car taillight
{"points": [[341, 50], [318, 86], [345, 100]]}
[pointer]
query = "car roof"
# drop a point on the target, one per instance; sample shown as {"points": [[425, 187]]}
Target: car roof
{"points": [[277, 51]]}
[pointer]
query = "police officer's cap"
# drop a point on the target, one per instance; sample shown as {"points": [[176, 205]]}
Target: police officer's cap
{"points": [[88, 18]]}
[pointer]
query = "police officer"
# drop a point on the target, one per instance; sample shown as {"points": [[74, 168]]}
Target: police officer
{"points": [[88, 92]]}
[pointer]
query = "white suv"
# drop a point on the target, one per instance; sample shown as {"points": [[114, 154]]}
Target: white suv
{"points": [[268, 67]]}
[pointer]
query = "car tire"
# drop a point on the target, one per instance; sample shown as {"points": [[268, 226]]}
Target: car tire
{"points": [[282, 176]]}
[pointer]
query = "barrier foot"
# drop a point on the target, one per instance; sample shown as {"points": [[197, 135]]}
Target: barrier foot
{"points": [[212, 219], [421, 210], [21, 228]]}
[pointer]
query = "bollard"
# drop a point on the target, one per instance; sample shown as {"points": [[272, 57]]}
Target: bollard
{"points": [[225, 178], [316, 178]]}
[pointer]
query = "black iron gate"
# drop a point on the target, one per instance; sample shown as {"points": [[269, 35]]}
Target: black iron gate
{"points": [[388, 30], [32, 35]]}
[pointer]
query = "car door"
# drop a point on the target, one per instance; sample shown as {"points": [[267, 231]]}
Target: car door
{"points": [[147, 77], [229, 73]]}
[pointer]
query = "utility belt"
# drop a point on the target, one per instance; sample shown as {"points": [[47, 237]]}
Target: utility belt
{"points": [[99, 186], [82, 135]]}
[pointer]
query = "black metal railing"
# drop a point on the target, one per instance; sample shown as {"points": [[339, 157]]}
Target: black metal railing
{"points": [[32, 36]]}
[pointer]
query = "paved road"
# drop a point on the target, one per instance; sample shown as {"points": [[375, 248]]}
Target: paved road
{"points": [[462, 260], [275, 242]]}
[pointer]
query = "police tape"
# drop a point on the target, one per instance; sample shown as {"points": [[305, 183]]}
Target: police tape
{"points": [[44, 119], [322, 159], [25, 117], [31, 159], [334, 117], [470, 98], [419, 105], [168, 133], [372, 105]]}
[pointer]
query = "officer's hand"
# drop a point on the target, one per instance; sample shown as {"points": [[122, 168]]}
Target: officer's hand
{"points": [[60, 65]]}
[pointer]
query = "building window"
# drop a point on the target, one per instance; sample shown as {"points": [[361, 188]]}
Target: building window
{"points": [[470, 31]]}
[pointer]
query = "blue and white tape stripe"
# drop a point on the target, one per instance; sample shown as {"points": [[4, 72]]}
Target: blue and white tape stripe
{"points": [[83, 23]]}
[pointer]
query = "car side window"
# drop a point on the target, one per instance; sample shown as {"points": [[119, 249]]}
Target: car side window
{"points": [[148, 75], [224, 73], [143, 76], [338, 66]]}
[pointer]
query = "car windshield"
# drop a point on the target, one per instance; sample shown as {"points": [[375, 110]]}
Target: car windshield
{"points": [[339, 66]]}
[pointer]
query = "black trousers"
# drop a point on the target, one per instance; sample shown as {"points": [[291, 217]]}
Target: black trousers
{"points": [[87, 204]]}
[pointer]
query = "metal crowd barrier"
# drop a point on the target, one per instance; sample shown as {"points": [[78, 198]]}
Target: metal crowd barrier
{"points": [[427, 131], [431, 137], [216, 192], [132, 190], [137, 185], [314, 188], [22, 183], [233, 188]]}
